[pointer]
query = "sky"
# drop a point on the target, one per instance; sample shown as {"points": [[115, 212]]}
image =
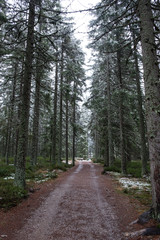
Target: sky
{"points": [[81, 21]]}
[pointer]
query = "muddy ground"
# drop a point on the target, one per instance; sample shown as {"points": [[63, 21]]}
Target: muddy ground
{"points": [[81, 204]]}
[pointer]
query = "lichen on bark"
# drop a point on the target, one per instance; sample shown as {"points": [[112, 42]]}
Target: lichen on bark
{"points": [[152, 90]]}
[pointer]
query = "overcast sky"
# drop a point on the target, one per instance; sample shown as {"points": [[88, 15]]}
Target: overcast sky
{"points": [[81, 25], [81, 19]]}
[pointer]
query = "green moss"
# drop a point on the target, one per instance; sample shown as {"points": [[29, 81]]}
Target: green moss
{"points": [[144, 197], [112, 169], [6, 170], [116, 167], [134, 168], [61, 166], [10, 195], [99, 160], [125, 190]]}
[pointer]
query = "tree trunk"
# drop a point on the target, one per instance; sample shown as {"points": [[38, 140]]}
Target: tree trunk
{"points": [[152, 89], [74, 125], [35, 131], [110, 140], [96, 143], [144, 154], [10, 117], [106, 153], [61, 110], [18, 114], [121, 111], [121, 116], [24, 118], [67, 112], [54, 124]]}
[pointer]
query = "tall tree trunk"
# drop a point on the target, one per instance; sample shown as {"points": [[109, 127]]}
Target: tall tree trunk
{"points": [[67, 112], [74, 124], [121, 115], [18, 114], [96, 143], [24, 118], [144, 155], [35, 131], [54, 124], [152, 89], [11, 112], [61, 110], [106, 153], [121, 111], [110, 140]]}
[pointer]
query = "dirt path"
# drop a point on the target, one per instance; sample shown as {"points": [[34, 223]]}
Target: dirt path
{"points": [[80, 205]]}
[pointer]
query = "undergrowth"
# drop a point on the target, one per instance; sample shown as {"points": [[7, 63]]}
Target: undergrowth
{"points": [[98, 160], [11, 195], [144, 197], [6, 170], [134, 168]]}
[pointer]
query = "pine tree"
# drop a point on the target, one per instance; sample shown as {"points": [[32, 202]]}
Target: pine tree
{"points": [[24, 118], [152, 90]]}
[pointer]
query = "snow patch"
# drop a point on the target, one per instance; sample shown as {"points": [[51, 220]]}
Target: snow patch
{"points": [[11, 177], [134, 183]]}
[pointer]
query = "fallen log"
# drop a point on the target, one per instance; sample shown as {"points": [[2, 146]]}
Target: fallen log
{"points": [[143, 232]]}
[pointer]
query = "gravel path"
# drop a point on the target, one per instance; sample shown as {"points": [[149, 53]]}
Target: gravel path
{"points": [[77, 209]]}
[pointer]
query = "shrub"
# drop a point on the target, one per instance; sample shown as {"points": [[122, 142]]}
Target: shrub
{"points": [[61, 166], [30, 172], [115, 168], [112, 169], [134, 171], [134, 168], [6, 170], [99, 160], [10, 195]]}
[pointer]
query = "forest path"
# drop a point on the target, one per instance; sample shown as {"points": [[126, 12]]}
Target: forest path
{"points": [[81, 204], [76, 209]]}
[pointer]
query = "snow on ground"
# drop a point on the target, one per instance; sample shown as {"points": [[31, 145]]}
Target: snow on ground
{"points": [[10, 177], [84, 160], [132, 183]]}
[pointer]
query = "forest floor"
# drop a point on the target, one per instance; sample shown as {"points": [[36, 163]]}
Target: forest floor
{"points": [[81, 204]]}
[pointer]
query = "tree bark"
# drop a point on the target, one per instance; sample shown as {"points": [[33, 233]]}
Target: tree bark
{"points": [[121, 115], [74, 124], [67, 112], [96, 142], [61, 111], [18, 114], [25, 107], [106, 153], [11, 112], [35, 131], [54, 124], [144, 155], [121, 111], [110, 140], [152, 89]]}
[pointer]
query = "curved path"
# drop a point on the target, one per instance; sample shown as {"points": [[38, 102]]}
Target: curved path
{"points": [[77, 209]]}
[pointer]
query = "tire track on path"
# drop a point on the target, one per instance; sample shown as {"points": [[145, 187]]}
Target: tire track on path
{"points": [[75, 210]]}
